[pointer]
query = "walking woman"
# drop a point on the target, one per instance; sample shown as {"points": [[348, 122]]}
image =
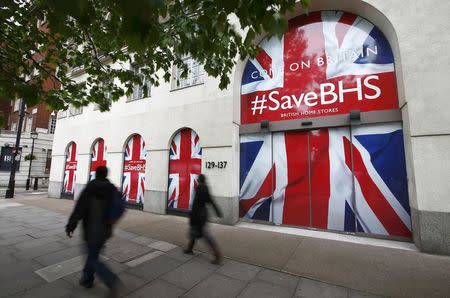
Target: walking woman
{"points": [[199, 218]]}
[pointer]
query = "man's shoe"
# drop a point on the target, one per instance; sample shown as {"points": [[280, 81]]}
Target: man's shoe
{"points": [[188, 252], [218, 259], [86, 283], [115, 288]]}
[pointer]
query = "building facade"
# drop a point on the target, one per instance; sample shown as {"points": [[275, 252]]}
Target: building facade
{"points": [[38, 119], [340, 126], [40, 165]]}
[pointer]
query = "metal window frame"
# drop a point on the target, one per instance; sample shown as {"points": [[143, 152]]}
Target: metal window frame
{"points": [[191, 79], [372, 117]]}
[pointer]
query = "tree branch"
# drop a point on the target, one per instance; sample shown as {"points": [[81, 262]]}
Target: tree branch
{"points": [[30, 56], [95, 49]]}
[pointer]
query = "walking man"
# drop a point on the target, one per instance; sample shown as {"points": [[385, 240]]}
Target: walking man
{"points": [[199, 218], [92, 208]]}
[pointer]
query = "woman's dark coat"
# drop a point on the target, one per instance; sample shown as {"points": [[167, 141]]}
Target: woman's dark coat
{"points": [[199, 213]]}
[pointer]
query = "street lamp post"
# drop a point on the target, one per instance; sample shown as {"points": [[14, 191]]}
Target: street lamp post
{"points": [[34, 136], [12, 177]]}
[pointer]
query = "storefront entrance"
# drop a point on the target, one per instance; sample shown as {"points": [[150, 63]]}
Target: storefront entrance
{"points": [[350, 179]]}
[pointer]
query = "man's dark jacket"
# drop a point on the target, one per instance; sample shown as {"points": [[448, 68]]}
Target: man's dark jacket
{"points": [[199, 213], [92, 207]]}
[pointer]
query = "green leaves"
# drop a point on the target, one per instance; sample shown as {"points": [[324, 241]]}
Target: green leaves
{"points": [[306, 4], [88, 36]]}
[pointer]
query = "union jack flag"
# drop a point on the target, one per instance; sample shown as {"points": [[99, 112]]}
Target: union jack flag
{"points": [[306, 179], [134, 170], [70, 169], [98, 154], [331, 47], [184, 168]]}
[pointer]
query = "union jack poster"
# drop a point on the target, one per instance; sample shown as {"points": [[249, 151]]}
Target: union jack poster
{"points": [[70, 169], [306, 179], [184, 167], [134, 170], [98, 157], [327, 63]]}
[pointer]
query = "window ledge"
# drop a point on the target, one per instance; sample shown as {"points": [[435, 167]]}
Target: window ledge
{"points": [[133, 100], [185, 87]]}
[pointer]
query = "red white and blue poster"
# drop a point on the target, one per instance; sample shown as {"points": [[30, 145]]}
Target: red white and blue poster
{"points": [[134, 170], [98, 157], [184, 167], [70, 169], [305, 178], [326, 64]]}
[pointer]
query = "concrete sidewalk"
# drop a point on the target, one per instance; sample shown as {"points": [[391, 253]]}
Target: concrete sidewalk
{"points": [[375, 266]]}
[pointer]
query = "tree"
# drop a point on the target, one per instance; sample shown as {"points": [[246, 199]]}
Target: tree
{"points": [[42, 41], [2, 119]]}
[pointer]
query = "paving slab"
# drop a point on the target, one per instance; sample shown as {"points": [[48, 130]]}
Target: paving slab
{"points": [[127, 252], [62, 269], [115, 266], [21, 232], [15, 240], [27, 231], [45, 233], [154, 268], [7, 250], [279, 278], [144, 258], [130, 283], [37, 251], [217, 286], [162, 246], [57, 289], [7, 259], [359, 294], [308, 288], [190, 273], [5, 204], [238, 270], [74, 241], [263, 289], [143, 240], [179, 255], [5, 230], [19, 278], [61, 255], [35, 242], [264, 246], [56, 226], [376, 270], [158, 289], [124, 234], [98, 290], [116, 241]]}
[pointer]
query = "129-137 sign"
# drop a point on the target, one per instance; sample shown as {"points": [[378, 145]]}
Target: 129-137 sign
{"points": [[216, 164]]}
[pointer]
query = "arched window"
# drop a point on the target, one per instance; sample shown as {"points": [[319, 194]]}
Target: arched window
{"points": [[98, 157], [134, 170], [70, 169], [184, 168]]}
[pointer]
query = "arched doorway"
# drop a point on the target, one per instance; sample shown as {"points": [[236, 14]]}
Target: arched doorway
{"points": [[185, 160], [70, 169], [134, 165], [98, 157], [335, 160]]}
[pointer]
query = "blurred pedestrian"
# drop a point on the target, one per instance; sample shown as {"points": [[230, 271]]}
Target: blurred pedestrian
{"points": [[199, 218], [93, 208]]}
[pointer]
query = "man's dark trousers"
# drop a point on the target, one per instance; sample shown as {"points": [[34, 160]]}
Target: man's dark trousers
{"points": [[94, 265]]}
